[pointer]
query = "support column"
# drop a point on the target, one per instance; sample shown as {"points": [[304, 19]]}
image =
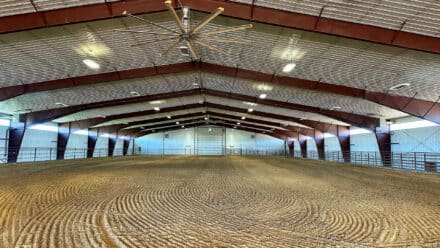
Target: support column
{"points": [[319, 139], [64, 130], [125, 146], [383, 137], [303, 145], [291, 145], [112, 142], [16, 133], [343, 134], [91, 141]]}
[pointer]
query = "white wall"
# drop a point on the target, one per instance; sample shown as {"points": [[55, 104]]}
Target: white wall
{"points": [[119, 147], [101, 147], [38, 144], [182, 141], [365, 142], [76, 146], [332, 148], [312, 149], [3, 142]]}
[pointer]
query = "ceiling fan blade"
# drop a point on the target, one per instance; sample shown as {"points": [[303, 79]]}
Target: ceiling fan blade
{"points": [[225, 40], [152, 41], [141, 32], [125, 13], [174, 45], [212, 47], [175, 16], [209, 18], [192, 50], [226, 30]]}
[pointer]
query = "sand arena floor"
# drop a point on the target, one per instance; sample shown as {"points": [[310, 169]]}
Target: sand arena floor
{"points": [[215, 202]]}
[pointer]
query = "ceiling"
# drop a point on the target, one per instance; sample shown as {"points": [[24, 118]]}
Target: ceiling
{"points": [[52, 53]]}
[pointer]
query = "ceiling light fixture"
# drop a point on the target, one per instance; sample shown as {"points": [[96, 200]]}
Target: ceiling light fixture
{"points": [[169, 117], [263, 96], [134, 93], [183, 126], [399, 86], [206, 118], [156, 108], [238, 123], [250, 110], [177, 122], [335, 108], [91, 64], [289, 67], [243, 117], [61, 104]]}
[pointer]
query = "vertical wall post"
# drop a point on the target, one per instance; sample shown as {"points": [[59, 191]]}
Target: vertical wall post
{"points": [[64, 130], [113, 135], [91, 141], [319, 139], [16, 133], [344, 140], [303, 145], [383, 137], [125, 146]]}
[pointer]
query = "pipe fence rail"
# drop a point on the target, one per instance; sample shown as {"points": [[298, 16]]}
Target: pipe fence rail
{"points": [[418, 161]]}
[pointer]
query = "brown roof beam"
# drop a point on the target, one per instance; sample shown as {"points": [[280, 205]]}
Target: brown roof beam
{"points": [[232, 9]]}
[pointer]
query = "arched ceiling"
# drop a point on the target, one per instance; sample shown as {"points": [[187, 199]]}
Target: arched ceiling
{"points": [[337, 80]]}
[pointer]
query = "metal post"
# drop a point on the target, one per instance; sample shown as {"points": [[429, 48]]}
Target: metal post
{"points": [[35, 154]]}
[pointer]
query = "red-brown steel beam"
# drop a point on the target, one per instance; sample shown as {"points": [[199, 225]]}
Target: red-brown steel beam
{"points": [[383, 137], [232, 9], [51, 114], [47, 115], [303, 145], [320, 146], [92, 137], [64, 130], [343, 135], [16, 134], [86, 123], [417, 107]]}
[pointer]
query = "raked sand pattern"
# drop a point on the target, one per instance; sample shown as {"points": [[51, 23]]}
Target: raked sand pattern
{"points": [[215, 202]]}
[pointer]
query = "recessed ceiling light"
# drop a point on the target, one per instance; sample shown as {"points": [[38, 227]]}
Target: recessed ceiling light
{"points": [[243, 117], [134, 93], [183, 126], [195, 85], [210, 130], [206, 118], [250, 110], [177, 122], [335, 108], [61, 104], [156, 108], [238, 123], [235, 127], [250, 103], [263, 96], [91, 64], [289, 67], [169, 117], [200, 101], [157, 102], [399, 86]]}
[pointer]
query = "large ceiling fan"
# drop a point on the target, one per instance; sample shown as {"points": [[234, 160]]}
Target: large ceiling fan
{"points": [[188, 35]]}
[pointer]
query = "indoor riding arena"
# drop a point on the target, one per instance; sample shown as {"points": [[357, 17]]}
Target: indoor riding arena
{"points": [[219, 123]]}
